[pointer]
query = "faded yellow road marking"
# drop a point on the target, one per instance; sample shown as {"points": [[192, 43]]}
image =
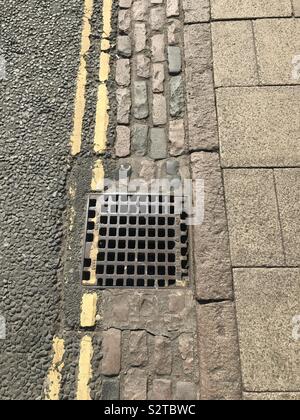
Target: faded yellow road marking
{"points": [[102, 115], [85, 369], [88, 310], [80, 101], [54, 375]]}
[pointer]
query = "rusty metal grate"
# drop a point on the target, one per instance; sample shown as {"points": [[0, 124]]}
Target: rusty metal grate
{"points": [[135, 241]]}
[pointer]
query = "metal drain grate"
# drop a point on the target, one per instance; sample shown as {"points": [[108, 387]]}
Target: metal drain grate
{"points": [[135, 241]]}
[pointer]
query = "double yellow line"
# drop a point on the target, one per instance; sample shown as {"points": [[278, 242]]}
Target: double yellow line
{"points": [[89, 302], [102, 108]]}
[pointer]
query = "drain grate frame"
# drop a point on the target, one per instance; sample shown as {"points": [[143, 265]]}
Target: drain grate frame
{"points": [[135, 241]]}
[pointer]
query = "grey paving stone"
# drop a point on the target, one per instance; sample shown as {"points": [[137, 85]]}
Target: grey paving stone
{"points": [[158, 77], [124, 105], [124, 45], [213, 274], [123, 72], [177, 96], [255, 134], [141, 106], [122, 146], [271, 396], [140, 139], [140, 10], [124, 21], [110, 390], [255, 236], [143, 66], [175, 60], [220, 377], [288, 194], [159, 110], [231, 9], [157, 18], [177, 137], [277, 43], [158, 143], [234, 54], [173, 8], [267, 301], [174, 35], [158, 48], [140, 37], [203, 131]]}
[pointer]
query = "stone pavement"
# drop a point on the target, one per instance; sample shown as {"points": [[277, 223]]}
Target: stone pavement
{"points": [[255, 54]]}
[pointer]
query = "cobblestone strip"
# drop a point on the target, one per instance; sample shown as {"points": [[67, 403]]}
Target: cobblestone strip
{"points": [[150, 93]]}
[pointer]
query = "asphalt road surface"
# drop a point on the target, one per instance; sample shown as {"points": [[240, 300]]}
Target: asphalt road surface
{"points": [[40, 43]]}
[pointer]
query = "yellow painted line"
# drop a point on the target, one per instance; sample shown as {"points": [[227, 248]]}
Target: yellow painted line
{"points": [[85, 369], [104, 67], [54, 375], [98, 177], [102, 109], [80, 101], [88, 310], [107, 14], [102, 119]]}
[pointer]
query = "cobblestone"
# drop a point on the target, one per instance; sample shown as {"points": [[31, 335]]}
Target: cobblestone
{"points": [[158, 77], [140, 37], [143, 66], [135, 385], [140, 139], [123, 72], [177, 137], [177, 97], [122, 146], [159, 110], [158, 48], [110, 390], [124, 105], [124, 21], [174, 56], [162, 356], [141, 106], [161, 390], [158, 143], [173, 8], [111, 350], [124, 46], [138, 348]]}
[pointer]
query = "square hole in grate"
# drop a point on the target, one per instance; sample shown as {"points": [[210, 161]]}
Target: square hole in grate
{"points": [[142, 250]]}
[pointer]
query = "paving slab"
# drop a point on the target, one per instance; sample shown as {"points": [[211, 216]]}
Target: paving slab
{"points": [[267, 301], [296, 7], [254, 228], [259, 126], [237, 9], [278, 44], [288, 191], [234, 54], [219, 352], [213, 274], [275, 396]]}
